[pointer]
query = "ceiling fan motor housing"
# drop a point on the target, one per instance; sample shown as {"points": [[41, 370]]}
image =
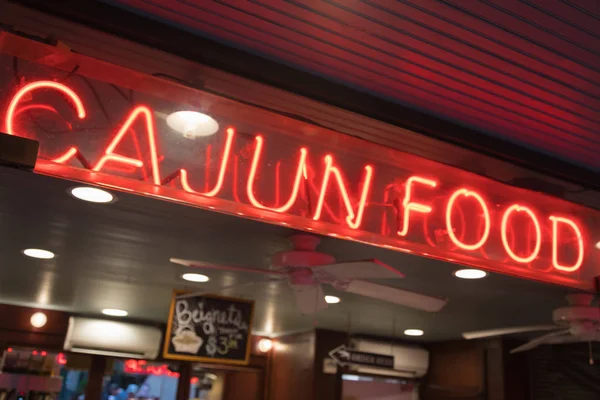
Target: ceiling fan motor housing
{"points": [[303, 254], [569, 315], [300, 259]]}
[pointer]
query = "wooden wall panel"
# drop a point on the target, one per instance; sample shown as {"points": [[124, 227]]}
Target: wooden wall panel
{"points": [[456, 371], [15, 328], [243, 385], [327, 387], [292, 368], [517, 373]]}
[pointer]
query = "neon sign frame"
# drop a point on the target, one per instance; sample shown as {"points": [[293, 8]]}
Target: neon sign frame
{"points": [[330, 184]]}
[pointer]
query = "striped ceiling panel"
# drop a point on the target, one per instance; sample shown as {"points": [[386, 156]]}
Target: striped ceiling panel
{"points": [[524, 70]]}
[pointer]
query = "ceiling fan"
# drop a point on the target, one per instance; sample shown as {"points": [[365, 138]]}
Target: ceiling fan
{"points": [[306, 270], [577, 322]]}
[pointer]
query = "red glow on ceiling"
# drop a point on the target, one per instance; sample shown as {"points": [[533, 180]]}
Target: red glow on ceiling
{"points": [[486, 218], [342, 190]]}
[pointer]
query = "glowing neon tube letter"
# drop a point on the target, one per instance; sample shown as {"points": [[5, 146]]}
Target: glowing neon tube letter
{"points": [[566, 268], [224, 162], [411, 205], [353, 220], [109, 154], [538, 234], [486, 215], [27, 89], [252, 177]]}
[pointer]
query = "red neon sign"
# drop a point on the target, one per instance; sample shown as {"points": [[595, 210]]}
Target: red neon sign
{"points": [[282, 171], [142, 367]]}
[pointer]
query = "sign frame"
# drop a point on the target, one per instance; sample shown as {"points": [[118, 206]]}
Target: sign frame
{"points": [[212, 360], [343, 348], [407, 218]]}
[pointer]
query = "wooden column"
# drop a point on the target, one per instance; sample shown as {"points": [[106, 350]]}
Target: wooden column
{"points": [[183, 384], [326, 386], [93, 390]]}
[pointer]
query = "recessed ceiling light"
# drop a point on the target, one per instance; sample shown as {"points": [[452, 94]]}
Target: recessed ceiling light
{"points": [[92, 194], [470, 274], [413, 332], [195, 277], [39, 253], [332, 299], [192, 123], [114, 312], [38, 319], [598, 245]]}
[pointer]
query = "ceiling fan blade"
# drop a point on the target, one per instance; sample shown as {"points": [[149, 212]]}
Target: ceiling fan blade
{"points": [[539, 340], [309, 298], [365, 269], [202, 264], [507, 331], [393, 295], [228, 287]]}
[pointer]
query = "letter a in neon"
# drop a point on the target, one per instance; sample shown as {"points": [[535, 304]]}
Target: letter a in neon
{"points": [[110, 156]]}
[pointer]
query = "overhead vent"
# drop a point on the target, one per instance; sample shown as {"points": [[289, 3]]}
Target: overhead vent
{"points": [[112, 338]]}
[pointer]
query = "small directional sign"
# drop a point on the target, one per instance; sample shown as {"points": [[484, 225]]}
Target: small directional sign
{"points": [[345, 356]]}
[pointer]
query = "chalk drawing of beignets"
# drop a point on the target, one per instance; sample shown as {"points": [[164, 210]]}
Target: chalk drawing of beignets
{"points": [[187, 342]]}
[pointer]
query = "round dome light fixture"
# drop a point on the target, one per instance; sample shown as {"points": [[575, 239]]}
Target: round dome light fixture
{"points": [[193, 277], [413, 332], [332, 299], [192, 123], [265, 345], [39, 253], [92, 194], [470, 274], [38, 319], [114, 312]]}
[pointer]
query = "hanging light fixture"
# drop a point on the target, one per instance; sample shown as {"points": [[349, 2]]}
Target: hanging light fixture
{"points": [[192, 123]]}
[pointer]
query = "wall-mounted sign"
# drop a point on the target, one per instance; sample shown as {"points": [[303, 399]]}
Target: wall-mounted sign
{"points": [[345, 356], [107, 125], [209, 329]]}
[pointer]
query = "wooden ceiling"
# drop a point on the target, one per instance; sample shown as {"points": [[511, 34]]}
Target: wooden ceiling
{"points": [[525, 71]]}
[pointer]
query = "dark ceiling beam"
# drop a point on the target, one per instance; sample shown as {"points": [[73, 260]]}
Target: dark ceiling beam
{"points": [[149, 32]]}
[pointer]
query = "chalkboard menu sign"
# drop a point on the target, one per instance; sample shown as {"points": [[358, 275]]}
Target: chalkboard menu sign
{"points": [[209, 328]]}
